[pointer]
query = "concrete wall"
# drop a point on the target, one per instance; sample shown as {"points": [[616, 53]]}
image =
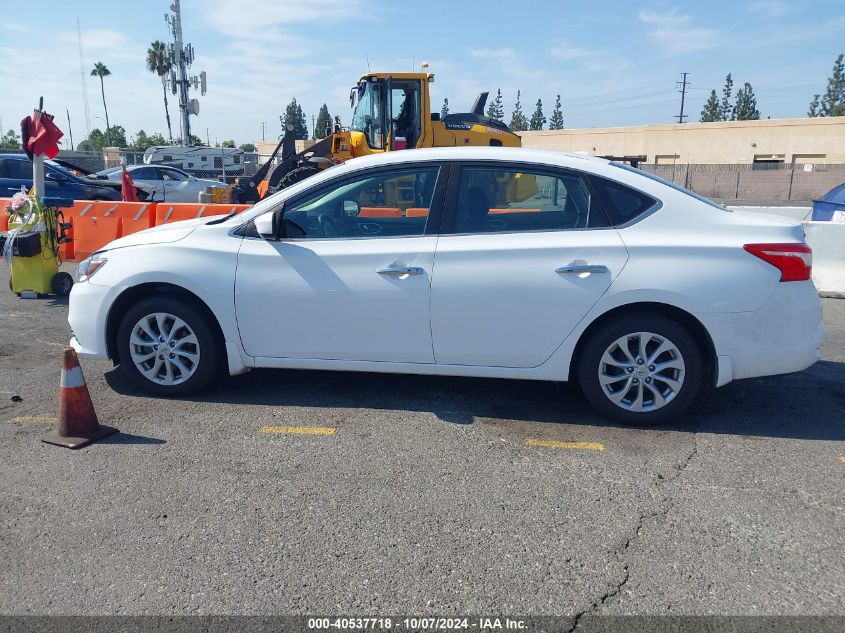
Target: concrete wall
{"points": [[817, 140]]}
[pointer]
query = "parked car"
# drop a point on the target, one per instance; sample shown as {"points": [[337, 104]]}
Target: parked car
{"points": [[831, 206], [168, 183], [16, 172], [496, 262]]}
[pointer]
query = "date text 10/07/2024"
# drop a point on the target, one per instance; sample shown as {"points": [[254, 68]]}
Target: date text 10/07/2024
{"points": [[418, 624]]}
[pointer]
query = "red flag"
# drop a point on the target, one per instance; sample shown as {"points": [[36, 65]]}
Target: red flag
{"points": [[127, 187], [43, 135]]}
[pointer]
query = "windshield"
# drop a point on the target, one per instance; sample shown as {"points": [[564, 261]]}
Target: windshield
{"points": [[368, 116], [669, 183]]}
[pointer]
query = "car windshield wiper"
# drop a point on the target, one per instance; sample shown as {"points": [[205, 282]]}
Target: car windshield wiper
{"points": [[223, 219]]}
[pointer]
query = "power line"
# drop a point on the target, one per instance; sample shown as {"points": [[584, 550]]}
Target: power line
{"points": [[620, 100], [684, 85]]}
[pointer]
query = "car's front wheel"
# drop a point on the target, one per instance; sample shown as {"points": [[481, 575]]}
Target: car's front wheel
{"points": [[641, 369], [167, 346]]}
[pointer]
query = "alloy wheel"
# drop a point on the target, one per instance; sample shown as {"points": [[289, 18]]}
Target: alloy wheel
{"points": [[641, 372], [164, 348]]}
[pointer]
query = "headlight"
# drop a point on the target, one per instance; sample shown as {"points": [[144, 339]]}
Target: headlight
{"points": [[87, 267]]}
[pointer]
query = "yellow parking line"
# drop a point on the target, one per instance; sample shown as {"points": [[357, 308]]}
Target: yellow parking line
{"points": [[589, 446], [842, 458], [301, 430], [34, 419]]}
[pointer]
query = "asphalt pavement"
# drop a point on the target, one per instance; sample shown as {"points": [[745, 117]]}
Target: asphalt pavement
{"points": [[304, 492]]}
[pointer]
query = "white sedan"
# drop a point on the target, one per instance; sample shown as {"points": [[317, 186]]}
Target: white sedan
{"points": [[496, 262], [170, 184]]}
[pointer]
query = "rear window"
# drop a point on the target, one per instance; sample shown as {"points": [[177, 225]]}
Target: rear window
{"points": [[622, 203], [671, 184]]}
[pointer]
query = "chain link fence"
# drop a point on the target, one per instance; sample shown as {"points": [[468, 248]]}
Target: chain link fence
{"points": [[762, 181]]}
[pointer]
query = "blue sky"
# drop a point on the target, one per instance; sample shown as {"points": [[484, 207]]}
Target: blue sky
{"points": [[614, 63]]}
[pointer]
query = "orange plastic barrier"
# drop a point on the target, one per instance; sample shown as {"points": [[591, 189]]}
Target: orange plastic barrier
{"points": [[4, 217], [502, 211], [414, 212], [91, 233], [379, 212]]}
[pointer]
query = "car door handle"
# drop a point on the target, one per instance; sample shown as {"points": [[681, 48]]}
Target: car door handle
{"points": [[401, 270], [579, 269]]}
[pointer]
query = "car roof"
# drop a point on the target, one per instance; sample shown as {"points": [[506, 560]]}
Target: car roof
{"points": [[526, 154]]}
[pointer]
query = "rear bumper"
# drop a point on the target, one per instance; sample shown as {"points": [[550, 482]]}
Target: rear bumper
{"points": [[784, 336]]}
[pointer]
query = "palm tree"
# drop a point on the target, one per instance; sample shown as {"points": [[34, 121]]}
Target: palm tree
{"points": [[158, 62], [101, 71]]}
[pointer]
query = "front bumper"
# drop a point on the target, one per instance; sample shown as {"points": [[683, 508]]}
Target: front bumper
{"points": [[87, 315]]}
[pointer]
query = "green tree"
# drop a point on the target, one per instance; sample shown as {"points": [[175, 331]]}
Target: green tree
{"points": [[101, 71], [444, 111], [143, 141], [814, 107], [833, 101], [538, 119], [323, 126], [247, 147], [746, 104], [158, 62], [496, 109], [711, 110], [556, 122], [229, 143], [518, 122], [294, 119], [10, 140], [726, 111]]}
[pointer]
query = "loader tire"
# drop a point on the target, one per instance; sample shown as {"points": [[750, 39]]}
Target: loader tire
{"points": [[296, 175]]}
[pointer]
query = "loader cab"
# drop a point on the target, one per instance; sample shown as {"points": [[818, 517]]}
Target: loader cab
{"points": [[388, 110]]}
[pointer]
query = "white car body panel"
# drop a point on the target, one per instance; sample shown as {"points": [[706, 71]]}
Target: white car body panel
{"points": [[496, 299], [320, 304], [328, 301]]}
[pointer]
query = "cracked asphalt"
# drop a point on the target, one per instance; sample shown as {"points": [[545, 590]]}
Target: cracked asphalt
{"points": [[426, 499]]}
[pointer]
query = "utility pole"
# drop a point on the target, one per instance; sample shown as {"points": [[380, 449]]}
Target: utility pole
{"points": [[313, 127], [683, 85], [207, 138], [263, 125], [69, 131]]}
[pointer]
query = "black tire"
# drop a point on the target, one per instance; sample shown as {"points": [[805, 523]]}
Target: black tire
{"points": [[207, 346], [606, 338], [298, 174], [61, 284]]}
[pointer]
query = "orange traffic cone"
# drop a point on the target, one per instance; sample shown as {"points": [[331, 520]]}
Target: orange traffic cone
{"points": [[78, 425]]}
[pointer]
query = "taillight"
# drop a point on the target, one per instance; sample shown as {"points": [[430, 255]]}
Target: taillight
{"points": [[794, 261]]}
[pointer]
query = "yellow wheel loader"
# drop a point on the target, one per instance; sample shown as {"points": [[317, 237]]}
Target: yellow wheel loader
{"points": [[392, 112]]}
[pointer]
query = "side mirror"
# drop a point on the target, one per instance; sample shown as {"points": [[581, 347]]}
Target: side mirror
{"points": [[269, 225], [55, 177], [351, 208]]}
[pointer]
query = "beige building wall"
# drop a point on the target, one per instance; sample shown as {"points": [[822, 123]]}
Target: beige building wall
{"points": [[816, 140]]}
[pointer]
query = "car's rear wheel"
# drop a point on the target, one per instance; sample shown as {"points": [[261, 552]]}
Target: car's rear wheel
{"points": [[640, 369], [167, 346]]}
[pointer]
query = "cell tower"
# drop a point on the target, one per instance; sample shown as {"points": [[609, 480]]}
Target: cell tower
{"points": [[181, 57], [84, 84]]}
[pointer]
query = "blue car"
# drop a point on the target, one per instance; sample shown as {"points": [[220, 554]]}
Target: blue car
{"points": [[16, 172]]}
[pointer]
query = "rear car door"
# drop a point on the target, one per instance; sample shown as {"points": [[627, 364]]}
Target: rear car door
{"points": [[14, 174], [524, 253], [350, 279]]}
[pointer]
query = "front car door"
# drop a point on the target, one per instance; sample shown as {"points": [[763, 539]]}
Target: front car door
{"points": [[350, 277], [524, 253], [176, 186]]}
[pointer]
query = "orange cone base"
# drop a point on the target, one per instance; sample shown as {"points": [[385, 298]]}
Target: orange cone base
{"points": [[78, 442]]}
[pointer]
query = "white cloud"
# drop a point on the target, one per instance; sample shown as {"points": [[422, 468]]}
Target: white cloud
{"points": [[676, 35]]}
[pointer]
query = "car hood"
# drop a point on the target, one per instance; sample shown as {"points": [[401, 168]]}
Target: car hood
{"points": [[163, 234]]}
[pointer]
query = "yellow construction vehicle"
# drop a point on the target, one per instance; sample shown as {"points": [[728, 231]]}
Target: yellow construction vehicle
{"points": [[392, 112]]}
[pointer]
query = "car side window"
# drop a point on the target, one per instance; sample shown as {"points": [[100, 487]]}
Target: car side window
{"points": [[621, 203], [18, 169], [143, 173], [169, 174], [393, 203], [494, 199]]}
